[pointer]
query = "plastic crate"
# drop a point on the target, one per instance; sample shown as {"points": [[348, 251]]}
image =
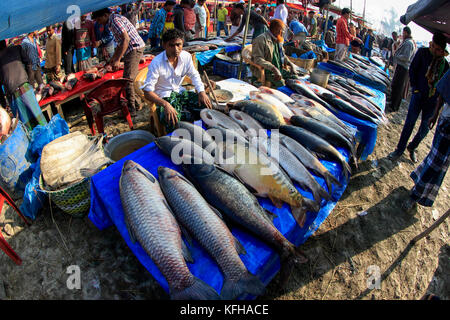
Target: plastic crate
{"points": [[228, 69]]}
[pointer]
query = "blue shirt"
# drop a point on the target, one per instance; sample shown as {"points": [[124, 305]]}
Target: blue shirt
{"points": [[296, 27], [443, 87], [30, 48], [103, 34], [366, 44], [157, 26]]}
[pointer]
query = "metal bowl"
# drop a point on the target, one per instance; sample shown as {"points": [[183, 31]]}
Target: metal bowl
{"points": [[223, 96], [126, 143]]}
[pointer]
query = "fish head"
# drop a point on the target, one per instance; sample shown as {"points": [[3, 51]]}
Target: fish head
{"points": [[166, 173], [198, 170], [130, 166]]}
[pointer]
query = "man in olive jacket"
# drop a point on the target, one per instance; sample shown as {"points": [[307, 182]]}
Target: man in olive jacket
{"points": [[268, 52]]}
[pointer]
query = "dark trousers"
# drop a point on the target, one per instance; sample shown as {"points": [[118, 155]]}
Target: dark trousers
{"points": [[130, 71], [35, 76], [68, 61], [420, 103], [398, 86]]}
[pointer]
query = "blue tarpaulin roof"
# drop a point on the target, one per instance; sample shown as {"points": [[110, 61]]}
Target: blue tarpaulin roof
{"points": [[22, 16]]}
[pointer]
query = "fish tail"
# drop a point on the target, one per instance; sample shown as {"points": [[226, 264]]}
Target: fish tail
{"points": [[299, 214], [330, 178], [247, 283], [291, 258], [347, 170], [321, 191], [199, 290]]}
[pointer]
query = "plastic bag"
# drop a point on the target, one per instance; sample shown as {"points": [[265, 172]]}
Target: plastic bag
{"points": [[308, 55], [33, 200], [42, 135], [206, 56]]}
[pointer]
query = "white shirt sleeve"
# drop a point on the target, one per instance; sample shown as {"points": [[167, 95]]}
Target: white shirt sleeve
{"points": [[193, 74], [284, 15], [152, 77]]}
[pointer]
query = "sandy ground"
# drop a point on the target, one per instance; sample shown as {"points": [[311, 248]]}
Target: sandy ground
{"points": [[364, 237]]}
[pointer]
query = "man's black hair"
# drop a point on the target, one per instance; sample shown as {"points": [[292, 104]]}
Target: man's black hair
{"points": [[280, 1], [395, 33], [240, 6], [3, 44], [172, 34], [170, 3], [188, 2], [100, 13], [311, 12], [345, 11], [407, 30], [440, 39]]}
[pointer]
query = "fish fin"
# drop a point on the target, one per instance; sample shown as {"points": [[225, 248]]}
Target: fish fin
{"points": [[186, 235], [247, 283], [130, 231], [324, 194], [270, 215], [239, 247], [199, 290], [186, 253], [299, 215], [147, 174], [276, 202], [217, 212]]}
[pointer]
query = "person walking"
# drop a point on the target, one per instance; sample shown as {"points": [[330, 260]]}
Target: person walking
{"points": [[343, 36], [311, 24], [402, 60], [281, 12], [14, 79], [430, 174], [190, 20], [130, 48], [157, 25], [426, 69], [222, 20]]}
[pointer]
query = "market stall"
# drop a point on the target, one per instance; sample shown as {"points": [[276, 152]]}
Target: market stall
{"points": [[82, 87], [261, 260]]}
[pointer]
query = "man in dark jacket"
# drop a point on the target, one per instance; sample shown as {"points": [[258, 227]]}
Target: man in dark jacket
{"points": [[427, 68], [68, 46]]}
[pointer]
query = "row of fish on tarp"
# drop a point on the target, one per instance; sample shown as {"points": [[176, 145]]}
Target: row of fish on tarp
{"points": [[215, 193], [360, 65]]}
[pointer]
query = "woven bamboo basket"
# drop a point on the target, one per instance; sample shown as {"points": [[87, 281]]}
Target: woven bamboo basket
{"points": [[307, 64]]}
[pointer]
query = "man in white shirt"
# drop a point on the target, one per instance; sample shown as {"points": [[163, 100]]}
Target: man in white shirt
{"points": [[163, 84], [281, 12], [200, 12]]}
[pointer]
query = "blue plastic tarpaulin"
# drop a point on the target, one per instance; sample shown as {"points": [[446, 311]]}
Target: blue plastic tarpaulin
{"points": [[21, 17], [261, 260]]}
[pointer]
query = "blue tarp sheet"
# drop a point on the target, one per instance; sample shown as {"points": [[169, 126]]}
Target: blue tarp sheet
{"points": [[261, 260], [367, 131], [20, 17]]}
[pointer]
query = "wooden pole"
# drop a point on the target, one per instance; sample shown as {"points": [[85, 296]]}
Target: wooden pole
{"points": [[431, 228], [245, 37], [326, 21]]}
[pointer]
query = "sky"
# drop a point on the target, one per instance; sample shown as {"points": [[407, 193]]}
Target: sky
{"points": [[387, 10]]}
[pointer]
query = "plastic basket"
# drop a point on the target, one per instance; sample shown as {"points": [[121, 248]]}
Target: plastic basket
{"points": [[74, 200], [306, 64], [228, 69]]}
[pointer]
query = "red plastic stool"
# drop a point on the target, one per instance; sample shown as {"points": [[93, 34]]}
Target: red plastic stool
{"points": [[3, 244], [110, 97]]}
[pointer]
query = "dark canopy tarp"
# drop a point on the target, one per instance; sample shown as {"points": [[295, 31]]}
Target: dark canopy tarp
{"points": [[433, 15], [22, 16]]}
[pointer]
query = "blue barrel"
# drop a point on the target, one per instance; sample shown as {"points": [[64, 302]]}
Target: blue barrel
{"points": [[15, 163]]}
